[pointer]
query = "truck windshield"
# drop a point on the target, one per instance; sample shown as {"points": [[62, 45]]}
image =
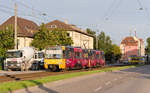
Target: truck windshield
{"points": [[14, 54], [53, 53], [40, 55]]}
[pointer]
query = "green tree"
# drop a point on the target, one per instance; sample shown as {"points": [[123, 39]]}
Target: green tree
{"points": [[105, 44], [89, 31], [116, 52], [148, 46], [7, 40], [44, 37]]}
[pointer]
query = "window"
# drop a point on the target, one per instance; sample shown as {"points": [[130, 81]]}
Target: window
{"points": [[68, 34], [68, 53], [97, 56], [53, 26], [72, 51], [77, 55]]}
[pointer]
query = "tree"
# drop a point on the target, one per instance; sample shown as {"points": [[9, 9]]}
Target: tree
{"points": [[116, 52], [89, 31], [7, 40], [105, 44], [148, 46], [44, 37]]}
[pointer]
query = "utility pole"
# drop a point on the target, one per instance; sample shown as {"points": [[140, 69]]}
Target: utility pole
{"points": [[15, 37]]}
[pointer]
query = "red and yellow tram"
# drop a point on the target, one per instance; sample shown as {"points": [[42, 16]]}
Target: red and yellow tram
{"points": [[67, 57]]}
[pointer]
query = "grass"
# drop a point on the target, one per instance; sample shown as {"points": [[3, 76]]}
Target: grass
{"points": [[11, 86]]}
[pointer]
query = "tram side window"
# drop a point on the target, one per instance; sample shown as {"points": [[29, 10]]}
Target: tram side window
{"points": [[77, 55], [72, 51], [80, 53], [68, 54], [92, 56], [86, 55], [97, 56]]}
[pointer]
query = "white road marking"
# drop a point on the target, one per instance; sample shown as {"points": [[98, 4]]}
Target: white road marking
{"points": [[108, 83], [115, 79], [99, 88], [120, 77]]}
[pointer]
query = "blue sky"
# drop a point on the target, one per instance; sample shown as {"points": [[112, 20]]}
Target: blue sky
{"points": [[115, 17]]}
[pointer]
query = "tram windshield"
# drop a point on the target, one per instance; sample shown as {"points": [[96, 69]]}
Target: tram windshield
{"points": [[53, 53]]}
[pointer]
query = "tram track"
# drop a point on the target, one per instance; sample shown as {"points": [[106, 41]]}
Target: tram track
{"points": [[32, 76]]}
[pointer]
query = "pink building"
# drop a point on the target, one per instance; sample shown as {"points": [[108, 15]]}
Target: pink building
{"points": [[132, 46]]}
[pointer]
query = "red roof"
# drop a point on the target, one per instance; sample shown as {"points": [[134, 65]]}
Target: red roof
{"points": [[129, 41], [26, 28], [61, 25]]}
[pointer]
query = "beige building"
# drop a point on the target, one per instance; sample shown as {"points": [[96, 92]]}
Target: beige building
{"points": [[80, 37], [25, 32], [27, 28]]}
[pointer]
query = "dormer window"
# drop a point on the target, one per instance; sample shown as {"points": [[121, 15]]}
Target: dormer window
{"points": [[53, 26]]}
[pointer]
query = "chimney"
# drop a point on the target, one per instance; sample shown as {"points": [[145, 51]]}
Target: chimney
{"points": [[66, 21]]}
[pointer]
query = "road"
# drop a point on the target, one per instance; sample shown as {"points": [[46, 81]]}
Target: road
{"points": [[133, 80]]}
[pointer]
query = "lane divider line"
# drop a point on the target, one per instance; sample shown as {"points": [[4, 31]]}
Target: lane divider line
{"points": [[99, 88], [108, 83]]}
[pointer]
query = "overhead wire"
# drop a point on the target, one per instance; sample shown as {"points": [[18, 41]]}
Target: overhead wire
{"points": [[111, 10], [145, 9], [41, 13], [10, 11]]}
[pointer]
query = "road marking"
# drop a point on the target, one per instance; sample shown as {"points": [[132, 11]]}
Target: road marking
{"points": [[99, 88], [115, 79], [108, 83], [120, 77]]}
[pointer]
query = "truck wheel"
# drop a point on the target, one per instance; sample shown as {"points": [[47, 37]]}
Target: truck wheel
{"points": [[37, 66], [34, 67], [23, 67]]}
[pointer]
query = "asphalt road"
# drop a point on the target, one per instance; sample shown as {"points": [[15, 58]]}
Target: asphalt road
{"points": [[134, 80]]}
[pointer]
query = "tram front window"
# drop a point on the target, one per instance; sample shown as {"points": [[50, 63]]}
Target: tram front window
{"points": [[53, 53]]}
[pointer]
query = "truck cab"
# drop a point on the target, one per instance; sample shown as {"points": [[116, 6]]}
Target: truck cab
{"points": [[14, 59]]}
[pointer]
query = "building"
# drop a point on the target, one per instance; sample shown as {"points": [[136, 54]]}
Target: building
{"points": [[25, 32], [132, 46], [80, 37]]}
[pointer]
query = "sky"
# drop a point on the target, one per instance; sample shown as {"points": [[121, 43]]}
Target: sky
{"points": [[117, 18]]}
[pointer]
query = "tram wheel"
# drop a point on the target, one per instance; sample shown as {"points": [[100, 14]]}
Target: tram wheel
{"points": [[54, 68]]}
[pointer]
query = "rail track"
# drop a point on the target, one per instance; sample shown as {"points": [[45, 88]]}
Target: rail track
{"points": [[31, 76]]}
